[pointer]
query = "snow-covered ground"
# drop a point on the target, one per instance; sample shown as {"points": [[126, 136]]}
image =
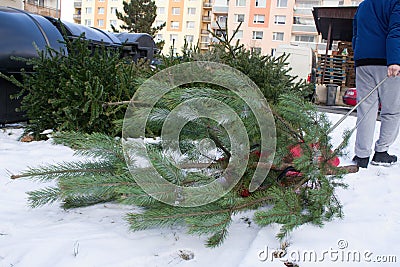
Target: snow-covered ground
{"points": [[99, 236]]}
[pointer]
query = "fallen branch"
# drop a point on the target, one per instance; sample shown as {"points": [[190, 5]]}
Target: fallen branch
{"points": [[108, 104], [281, 167]]}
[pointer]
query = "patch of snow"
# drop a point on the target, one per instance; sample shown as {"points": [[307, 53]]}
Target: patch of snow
{"points": [[99, 236]]}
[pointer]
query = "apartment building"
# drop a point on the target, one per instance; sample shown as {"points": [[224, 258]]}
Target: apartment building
{"points": [[267, 24], [12, 3], [190, 21], [264, 24], [100, 14], [183, 21], [186, 20], [50, 8]]}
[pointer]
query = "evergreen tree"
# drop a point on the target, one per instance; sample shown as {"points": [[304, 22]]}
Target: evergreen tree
{"points": [[69, 92], [290, 201], [138, 17]]}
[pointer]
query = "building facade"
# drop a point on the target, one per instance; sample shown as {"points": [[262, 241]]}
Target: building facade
{"points": [[50, 8], [97, 13], [264, 24], [183, 22]]}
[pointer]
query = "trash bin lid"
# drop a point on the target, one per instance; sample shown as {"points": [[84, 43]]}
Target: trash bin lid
{"points": [[142, 40], [20, 32], [92, 34]]}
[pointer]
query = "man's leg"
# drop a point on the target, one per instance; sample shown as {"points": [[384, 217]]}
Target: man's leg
{"points": [[366, 112], [389, 94]]}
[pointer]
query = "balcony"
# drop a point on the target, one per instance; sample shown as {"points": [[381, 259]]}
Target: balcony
{"points": [[207, 5], [222, 24], [76, 17], [206, 19], [33, 7], [204, 47], [304, 28], [303, 12], [205, 40], [220, 9], [78, 4]]}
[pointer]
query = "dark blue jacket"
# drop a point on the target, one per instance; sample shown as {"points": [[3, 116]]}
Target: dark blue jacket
{"points": [[376, 33]]}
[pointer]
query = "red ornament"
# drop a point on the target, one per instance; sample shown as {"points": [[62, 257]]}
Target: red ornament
{"points": [[245, 192], [297, 151]]}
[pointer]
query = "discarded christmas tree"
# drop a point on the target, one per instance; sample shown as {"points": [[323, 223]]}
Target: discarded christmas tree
{"points": [[115, 171]]}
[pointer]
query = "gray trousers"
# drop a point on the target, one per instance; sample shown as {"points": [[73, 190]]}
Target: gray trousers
{"points": [[367, 77]]}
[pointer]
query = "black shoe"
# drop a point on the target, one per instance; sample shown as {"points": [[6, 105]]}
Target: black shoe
{"points": [[383, 159], [361, 162]]}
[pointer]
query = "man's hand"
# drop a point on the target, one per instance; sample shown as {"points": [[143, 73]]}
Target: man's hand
{"points": [[394, 70]]}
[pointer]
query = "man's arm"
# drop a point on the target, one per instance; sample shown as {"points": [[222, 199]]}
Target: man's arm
{"points": [[393, 41]]}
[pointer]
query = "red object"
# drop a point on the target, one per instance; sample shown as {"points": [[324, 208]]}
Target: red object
{"points": [[350, 97], [296, 152], [245, 193]]}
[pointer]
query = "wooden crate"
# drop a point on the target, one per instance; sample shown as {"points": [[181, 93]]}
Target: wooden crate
{"points": [[339, 69]]}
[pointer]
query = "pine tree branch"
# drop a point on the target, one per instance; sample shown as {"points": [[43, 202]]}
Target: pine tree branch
{"points": [[213, 212], [121, 103], [283, 121], [83, 170], [218, 142]]}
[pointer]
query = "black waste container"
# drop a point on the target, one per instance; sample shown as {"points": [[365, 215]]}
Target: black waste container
{"points": [[137, 45], [96, 37], [331, 90], [20, 32]]}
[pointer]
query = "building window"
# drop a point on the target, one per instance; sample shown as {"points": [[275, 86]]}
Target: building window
{"points": [[304, 38], [222, 19], [205, 39], [240, 2], [113, 22], [113, 10], [88, 10], [189, 38], [303, 21], [191, 11], [160, 10], [100, 10], [100, 22], [281, 3], [176, 10], [158, 38], [102, 0], [173, 37], [159, 23], [277, 36], [174, 24], [257, 35], [273, 51], [190, 24], [239, 34], [280, 19], [88, 22], [255, 50], [307, 3], [259, 19], [261, 3], [239, 17]]}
